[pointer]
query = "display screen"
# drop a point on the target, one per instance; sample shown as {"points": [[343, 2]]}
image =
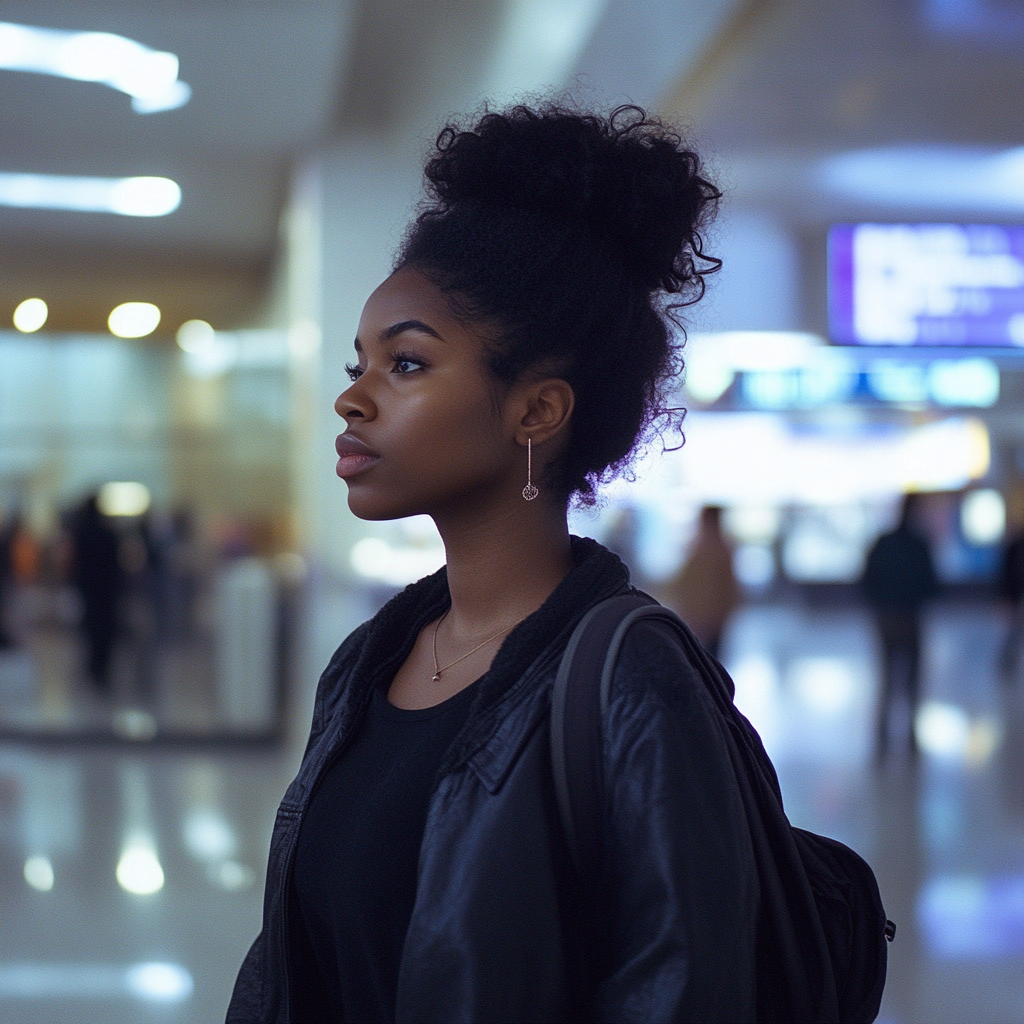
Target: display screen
{"points": [[926, 284]]}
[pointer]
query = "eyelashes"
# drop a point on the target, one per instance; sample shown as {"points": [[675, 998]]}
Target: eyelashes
{"points": [[398, 361]]}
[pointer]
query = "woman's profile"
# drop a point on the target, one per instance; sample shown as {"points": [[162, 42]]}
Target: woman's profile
{"points": [[515, 358]]}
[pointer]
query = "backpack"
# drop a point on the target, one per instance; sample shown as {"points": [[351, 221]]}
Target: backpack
{"points": [[820, 953]]}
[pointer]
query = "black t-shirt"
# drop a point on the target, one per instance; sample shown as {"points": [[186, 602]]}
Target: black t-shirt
{"points": [[357, 856]]}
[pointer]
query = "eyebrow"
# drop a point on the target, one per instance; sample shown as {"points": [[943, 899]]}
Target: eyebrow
{"points": [[409, 325]]}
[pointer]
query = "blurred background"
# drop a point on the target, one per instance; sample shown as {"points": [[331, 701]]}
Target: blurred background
{"points": [[195, 201]]}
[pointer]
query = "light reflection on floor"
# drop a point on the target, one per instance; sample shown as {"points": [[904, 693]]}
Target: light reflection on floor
{"points": [[162, 938], [945, 835]]}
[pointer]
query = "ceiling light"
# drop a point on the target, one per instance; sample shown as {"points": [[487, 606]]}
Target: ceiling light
{"points": [[129, 197], [39, 873], [139, 870], [930, 178], [30, 315], [195, 336], [150, 77], [133, 319]]}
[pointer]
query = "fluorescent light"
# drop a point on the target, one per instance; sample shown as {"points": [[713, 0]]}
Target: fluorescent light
{"points": [[123, 498], [150, 77], [133, 319], [30, 315], [159, 983], [129, 197], [930, 178], [964, 382]]}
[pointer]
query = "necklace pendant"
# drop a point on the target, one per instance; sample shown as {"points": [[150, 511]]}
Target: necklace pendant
{"points": [[436, 678]]}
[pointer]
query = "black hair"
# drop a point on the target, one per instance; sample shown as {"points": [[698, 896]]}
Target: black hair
{"points": [[575, 237]]}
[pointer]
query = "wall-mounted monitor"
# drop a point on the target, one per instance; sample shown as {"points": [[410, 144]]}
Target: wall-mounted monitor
{"points": [[926, 284]]}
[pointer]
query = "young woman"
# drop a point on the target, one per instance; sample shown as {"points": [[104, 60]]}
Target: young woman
{"points": [[516, 357]]}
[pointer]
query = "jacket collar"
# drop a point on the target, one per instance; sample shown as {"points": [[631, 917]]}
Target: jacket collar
{"points": [[596, 575]]}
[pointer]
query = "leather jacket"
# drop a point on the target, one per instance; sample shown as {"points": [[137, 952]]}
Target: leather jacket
{"points": [[496, 933]]}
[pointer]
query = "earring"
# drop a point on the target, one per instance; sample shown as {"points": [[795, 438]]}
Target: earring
{"points": [[529, 491]]}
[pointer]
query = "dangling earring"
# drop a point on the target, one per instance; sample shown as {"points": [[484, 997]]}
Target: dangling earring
{"points": [[529, 491]]}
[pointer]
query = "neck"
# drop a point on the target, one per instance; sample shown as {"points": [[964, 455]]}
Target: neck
{"points": [[502, 566]]}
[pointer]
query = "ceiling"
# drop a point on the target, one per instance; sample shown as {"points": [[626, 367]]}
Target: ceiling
{"points": [[769, 86]]}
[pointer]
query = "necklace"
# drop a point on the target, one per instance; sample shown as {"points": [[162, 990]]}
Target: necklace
{"points": [[444, 668]]}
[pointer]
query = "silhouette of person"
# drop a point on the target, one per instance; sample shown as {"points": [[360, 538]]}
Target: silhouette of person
{"points": [[1011, 588], [704, 592], [100, 580], [899, 579]]}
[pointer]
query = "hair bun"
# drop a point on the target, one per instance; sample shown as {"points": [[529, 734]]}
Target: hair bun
{"points": [[626, 179]]}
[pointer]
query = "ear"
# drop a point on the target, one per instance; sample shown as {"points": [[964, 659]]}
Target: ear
{"points": [[543, 409]]}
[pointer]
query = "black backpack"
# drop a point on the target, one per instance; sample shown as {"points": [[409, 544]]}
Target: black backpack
{"points": [[821, 937]]}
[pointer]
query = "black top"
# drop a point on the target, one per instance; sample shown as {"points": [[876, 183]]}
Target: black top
{"points": [[357, 856]]}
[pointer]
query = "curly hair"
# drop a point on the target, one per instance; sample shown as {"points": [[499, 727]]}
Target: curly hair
{"points": [[574, 237]]}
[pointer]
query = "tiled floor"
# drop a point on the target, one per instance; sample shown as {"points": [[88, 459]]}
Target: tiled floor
{"points": [[80, 827]]}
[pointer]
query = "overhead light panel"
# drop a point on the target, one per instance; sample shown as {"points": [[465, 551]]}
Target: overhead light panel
{"points": [[30, 315], [133, 319], [129, 197], [150, 77]]}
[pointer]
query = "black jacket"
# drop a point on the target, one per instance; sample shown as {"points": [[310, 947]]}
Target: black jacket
{"points": [[496, 934]]}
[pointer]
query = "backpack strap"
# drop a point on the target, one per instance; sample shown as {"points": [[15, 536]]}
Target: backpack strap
{"points": [[578, 704]]}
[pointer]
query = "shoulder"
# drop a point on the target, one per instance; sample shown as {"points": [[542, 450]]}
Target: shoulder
{"points": [[657, 670]]}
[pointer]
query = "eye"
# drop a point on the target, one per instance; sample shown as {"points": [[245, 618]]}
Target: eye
{"points": [[404, 363], [354, 372]]}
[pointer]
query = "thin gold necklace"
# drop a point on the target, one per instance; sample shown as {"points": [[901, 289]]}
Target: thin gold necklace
{"points": [[444, 668]]}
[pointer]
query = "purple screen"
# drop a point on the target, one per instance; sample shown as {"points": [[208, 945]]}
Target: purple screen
{"points": [[926, 284]]}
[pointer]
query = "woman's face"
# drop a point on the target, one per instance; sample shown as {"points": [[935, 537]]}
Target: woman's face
{"points": [[425, 430]]}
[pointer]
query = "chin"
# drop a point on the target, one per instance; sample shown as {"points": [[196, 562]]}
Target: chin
{"points": [[375, 508]]}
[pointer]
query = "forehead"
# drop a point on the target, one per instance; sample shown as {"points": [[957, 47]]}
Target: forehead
{"points": [[408, 295]]}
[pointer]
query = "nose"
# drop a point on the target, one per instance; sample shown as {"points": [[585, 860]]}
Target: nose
{"points": [[355, 404]]}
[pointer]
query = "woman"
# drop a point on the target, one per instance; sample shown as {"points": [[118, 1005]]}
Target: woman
{"points": [[516, 357]]}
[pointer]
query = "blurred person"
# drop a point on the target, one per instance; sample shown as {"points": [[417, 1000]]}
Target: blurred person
{"points": [[99, 577], [899, 579], [1011, 590], [704, 592], [418, 871]]}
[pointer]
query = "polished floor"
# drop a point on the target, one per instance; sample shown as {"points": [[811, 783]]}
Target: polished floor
{"points": [[131, 878]]}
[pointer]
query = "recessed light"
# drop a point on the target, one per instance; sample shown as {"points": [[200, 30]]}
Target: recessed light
{"points": [[30, 315], [133, 319]]}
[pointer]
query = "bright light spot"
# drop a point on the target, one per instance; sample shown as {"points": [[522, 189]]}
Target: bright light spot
{"points": [[195, 335], [825, 685], [30, 315], [757, 681], [930, 177], [983, 517], [154, 982], [134, 724], [753, 524], [708, 379], [133, 319], [964, 382], [39, 873], [942, 730], [150, 77], [376, 559], [139, 871], [754, 565], [745, 351], [208, 836], [123, 498], [159, 983], [129, 197], [230, 875]]}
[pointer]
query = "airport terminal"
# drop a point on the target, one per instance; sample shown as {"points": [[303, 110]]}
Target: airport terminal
{"points": [[196, 201]]}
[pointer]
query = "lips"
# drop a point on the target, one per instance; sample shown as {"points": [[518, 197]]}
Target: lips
{"points": [[354, 456]]}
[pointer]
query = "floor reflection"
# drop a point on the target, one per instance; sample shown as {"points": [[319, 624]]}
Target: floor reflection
{"points": [[131, 881]]}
